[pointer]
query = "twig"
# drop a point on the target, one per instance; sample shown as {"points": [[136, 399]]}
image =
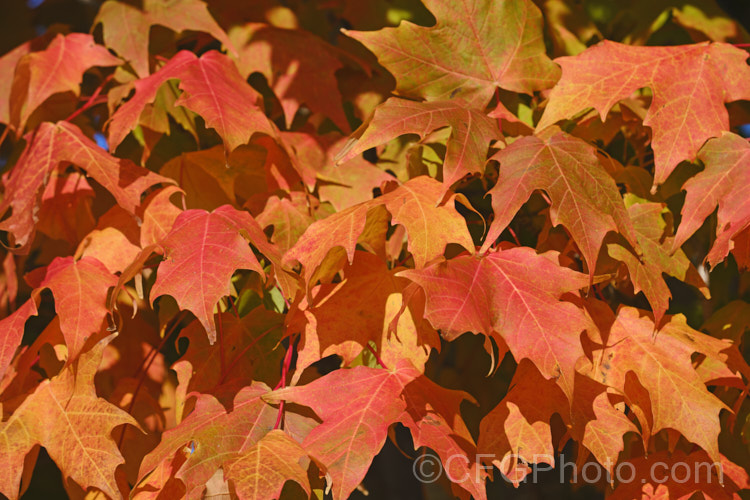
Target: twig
{"points": [[377, 358], [91, 99], [282, 382]]}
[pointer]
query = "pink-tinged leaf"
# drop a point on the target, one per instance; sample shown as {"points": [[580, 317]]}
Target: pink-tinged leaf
{"points": [[471, 133], [23, 184], [510, 123], [58, 68], [124, 179], [203, 250], [48, 146], [65, 416], [465, 56], [126, 117], [690, 84], [357, 406], [12, 328], [213, 88], [209, 436], [585, 199], [725, 181], [514, 294], [262, 471], [290, 60], [80, 291], [125, 28]]}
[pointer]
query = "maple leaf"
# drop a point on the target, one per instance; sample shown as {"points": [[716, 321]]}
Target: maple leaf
{"points": [[341, 185], [8, 63], [290, 217], [212, 87], [517, 431], [203, 250], [471, 133], [690, 85], [429, 227], [125, 28], [290, 60], [596, 423], [158, 215], [348, 184], [722, 182], [20, 379], [66, 198], [569, 170], [514, 294], [110, 247], [48, 146], [646, 273], [80, 290], [211, 436], [284, 170], [65, 416], [334, 311], [434, 419], [678, 397], [207, 177], [342, 229], [13, 326], [262, 470], [473, 60], [355, 422], [126, 117], [370, 263], [58, 68]]}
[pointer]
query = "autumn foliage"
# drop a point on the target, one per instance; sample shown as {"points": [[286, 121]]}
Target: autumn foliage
{"points": [[250, 246]]}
